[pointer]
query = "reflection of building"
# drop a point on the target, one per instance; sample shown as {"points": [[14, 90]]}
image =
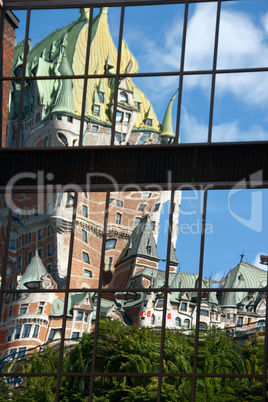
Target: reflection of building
{"points": [[52, 108], [51, 117], [10, 24], [243, 310]]}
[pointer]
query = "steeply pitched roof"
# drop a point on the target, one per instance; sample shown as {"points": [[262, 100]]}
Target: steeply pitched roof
{"points": [[141, 242], [47, 57], [245, 275], [33, 274]]}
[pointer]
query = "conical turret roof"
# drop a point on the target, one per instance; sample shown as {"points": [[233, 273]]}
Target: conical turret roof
{"points": [[32, 277], [167, 126]]}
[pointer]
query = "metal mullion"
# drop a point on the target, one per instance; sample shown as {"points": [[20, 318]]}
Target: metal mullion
{"points": [[66, 293], [85, 77], [163, 330], [23, 75], [199, 291], [2, 22], [94, 349], [265, 360], [181, 71], [2, 290], [213, 83], [116, 86], [13, 4], [144, 74]]}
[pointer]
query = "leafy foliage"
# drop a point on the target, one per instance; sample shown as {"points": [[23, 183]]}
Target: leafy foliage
{"points": [[125, 349]]}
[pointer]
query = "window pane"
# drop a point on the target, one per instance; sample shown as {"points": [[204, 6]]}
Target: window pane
{"points": [[23, 388], [86, 261], [238, 112], [200, 36], [30, 341], [195, 108], [229, 387], [148, 113], [135, 254], [104, 40], [186, 238], [13, 42], [79, 332], [45, 244], [47, 107], [116, 311], [52, 50], [156, 46], [238, 223], [243, 35], [142, 388]]}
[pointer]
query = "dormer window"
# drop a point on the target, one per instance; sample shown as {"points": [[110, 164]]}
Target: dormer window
{"points": [[96, 110], [127, 117], [149, 249], [101, 96], [123, 97], [149, 122], [119, 117]]}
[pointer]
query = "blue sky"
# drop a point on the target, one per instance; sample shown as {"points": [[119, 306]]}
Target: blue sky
{"points": [[236, 222], [154, 35]]}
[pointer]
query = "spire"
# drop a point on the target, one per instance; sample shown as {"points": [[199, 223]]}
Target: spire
{"points": [[167, 128], [100, 88], [108, 65], [96, 98]]}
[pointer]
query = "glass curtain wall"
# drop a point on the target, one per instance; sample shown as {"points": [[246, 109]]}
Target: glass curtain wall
{"points": [[152, 292]]}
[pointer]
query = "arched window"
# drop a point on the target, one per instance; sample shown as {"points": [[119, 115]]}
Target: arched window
{"points": [[177, 322], [202, 326], [152, 319], [63, 139], [186, 324]]}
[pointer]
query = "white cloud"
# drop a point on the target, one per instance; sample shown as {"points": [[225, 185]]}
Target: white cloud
{"points": [[256, 261], [231, 132], [200, 38], [241, 42], [194, 130], [159, 53], [191, 129], [265, 22]]}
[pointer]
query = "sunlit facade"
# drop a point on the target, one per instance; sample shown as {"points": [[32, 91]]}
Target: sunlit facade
{"points": [[133, 200]]}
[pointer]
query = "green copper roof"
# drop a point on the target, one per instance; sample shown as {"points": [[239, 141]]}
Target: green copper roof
{"points": [[32, 277], [167, 127], [141, 242], [69, 33], [245, 275], [64, 102]]}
